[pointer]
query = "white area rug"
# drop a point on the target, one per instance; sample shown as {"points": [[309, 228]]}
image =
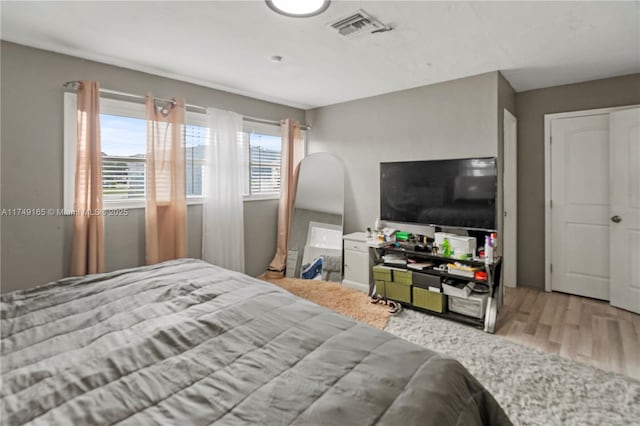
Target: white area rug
{"points": [[533, 387]]}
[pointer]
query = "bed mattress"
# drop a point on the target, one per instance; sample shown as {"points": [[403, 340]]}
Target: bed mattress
{"points": [[188, 343]]}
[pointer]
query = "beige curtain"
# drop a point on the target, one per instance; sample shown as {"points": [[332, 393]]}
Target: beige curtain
{"points": [[87, 248], [290, 160], [166, 203]]}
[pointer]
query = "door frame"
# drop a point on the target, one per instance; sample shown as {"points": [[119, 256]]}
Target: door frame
{"points": [[548, 118], [512, 193]]}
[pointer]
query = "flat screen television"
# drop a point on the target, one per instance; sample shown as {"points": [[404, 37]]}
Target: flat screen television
{"points": [[457, 193]]}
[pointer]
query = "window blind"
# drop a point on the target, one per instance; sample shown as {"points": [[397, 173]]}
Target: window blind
{"points": [[264, 164]]}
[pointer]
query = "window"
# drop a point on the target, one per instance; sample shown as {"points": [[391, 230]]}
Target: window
{"points": [[123, 133], [263, 145], [196, 138], [264, 163], [124, 145], [123, 139]]}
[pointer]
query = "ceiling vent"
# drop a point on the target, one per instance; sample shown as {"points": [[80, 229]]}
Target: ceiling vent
{"points": [[358, 24]]}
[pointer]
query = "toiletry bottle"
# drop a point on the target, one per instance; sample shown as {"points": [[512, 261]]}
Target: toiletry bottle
{"points": [[494, 242], [488, 250]]}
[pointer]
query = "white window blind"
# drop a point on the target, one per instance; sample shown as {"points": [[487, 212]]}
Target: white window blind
{"points": [[196, 138], [122, 178], [264, 163]]}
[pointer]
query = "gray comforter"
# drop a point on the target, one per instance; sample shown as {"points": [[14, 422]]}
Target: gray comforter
{"points": [[188, 343]]}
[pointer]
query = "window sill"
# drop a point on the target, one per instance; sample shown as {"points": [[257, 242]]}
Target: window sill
{"points": [[261, 197], [140, 204], [192, 201]]}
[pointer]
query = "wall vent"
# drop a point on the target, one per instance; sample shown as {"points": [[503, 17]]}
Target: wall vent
{"points": [[357, 24]]}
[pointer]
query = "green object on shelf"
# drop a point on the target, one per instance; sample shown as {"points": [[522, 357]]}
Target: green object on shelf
{"points": [[400, 276], [429, 300], [402, 236], [380, 288], [446, 248], [382, 273]]}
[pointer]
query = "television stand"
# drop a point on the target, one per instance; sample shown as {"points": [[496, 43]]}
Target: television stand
{"points": [[495, 296]]}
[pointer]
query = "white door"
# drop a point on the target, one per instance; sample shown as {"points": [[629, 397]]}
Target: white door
{"points": [[624, 160], [510, 226], [580, 205]]}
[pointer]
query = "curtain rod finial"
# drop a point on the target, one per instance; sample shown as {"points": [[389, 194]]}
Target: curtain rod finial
{"points": [[75, 84]]}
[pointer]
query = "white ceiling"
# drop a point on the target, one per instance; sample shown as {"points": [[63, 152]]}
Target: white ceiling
{"points": [[228, 44]]}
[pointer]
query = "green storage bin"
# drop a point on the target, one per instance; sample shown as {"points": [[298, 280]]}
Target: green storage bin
{"points": [[380, 288], [398, 291], [402, 276], [382, 273], [430, 300]]}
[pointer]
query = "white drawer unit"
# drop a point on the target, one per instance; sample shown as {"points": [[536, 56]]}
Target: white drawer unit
{"points": [[358, 246], [357, 262]]}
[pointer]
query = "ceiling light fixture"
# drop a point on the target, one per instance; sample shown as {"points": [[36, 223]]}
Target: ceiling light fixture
{"points": [[297, 8]]}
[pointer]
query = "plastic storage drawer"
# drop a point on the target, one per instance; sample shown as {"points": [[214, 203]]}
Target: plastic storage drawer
{"points": [[429, 300], [382, 273], [473, 306], [398, 291]]}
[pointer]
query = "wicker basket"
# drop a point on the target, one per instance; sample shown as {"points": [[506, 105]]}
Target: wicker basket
{"points": [[430, 300], [380, 288], [398, 291], [401, 276], [382, 273]]}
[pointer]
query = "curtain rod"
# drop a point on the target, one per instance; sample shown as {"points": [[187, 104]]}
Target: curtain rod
{"points": [[74, 86]]}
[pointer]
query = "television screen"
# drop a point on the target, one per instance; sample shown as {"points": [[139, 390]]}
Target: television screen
{"points": [[448, 193]]}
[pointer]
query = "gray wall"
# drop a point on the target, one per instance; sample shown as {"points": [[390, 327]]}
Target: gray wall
{"points": [[36, 249], [260, 233], [531, 107], [446, 120]]}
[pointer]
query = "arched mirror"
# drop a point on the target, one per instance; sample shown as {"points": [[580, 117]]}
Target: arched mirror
{"points": [[315, 238]]}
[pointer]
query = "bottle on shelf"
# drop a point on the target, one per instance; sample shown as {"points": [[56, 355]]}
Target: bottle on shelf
{"points": [[488, 250]]}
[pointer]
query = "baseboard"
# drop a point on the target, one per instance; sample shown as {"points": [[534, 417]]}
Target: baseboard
{"points": [[356, 286]]}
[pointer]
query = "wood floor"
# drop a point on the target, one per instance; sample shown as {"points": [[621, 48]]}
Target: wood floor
{"points": [[582, 329]]}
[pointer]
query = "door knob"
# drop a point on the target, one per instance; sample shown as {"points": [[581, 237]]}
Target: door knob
{"points": [[616, 219]]}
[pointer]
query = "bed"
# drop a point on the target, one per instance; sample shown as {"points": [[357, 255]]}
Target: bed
{"points": [[188, 343]]}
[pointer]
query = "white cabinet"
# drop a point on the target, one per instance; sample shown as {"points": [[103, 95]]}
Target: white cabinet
{"points": [[357, 263]]}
